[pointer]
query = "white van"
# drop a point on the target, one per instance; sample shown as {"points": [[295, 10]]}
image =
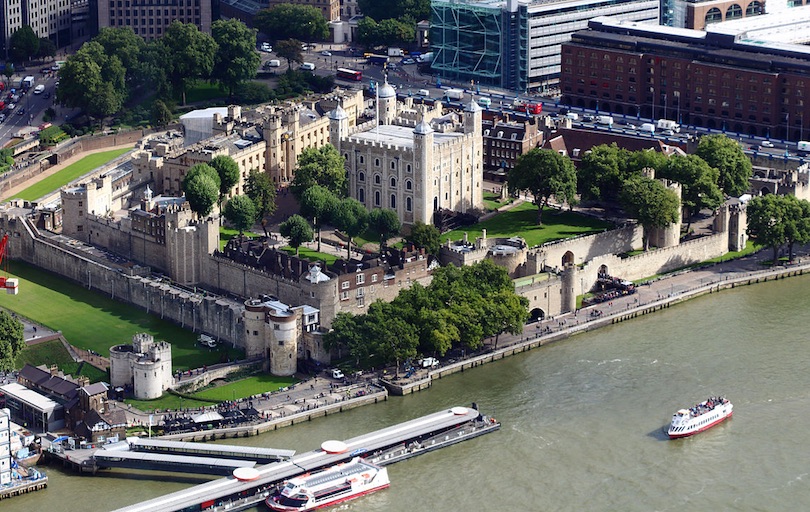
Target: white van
{"points": [[307, 66], [573, 116], [423, 92], [485, 102], [273, 63], [39, 89]]}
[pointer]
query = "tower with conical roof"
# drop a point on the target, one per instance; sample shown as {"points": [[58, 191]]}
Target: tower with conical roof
{"points": [[338, 126], [387, 97]]}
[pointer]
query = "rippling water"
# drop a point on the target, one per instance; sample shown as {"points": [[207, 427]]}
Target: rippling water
{"points": [[584, 422]]}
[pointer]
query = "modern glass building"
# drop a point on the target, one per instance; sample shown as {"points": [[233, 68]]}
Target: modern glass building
{"points": [[515, 44]]}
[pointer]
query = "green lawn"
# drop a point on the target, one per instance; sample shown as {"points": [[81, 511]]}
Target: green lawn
{"points": [[203, 91], [226, 234], [68, 174], [250, 386], [311, 254], [492, 201], [94, 321], [522, 221]]}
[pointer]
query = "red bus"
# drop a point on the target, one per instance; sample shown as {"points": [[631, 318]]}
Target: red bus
{"points": [[532, 108], [349, 74]]}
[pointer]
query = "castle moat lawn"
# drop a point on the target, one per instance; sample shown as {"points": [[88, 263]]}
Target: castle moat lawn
{"points": [[522, 221], [93, 321], [68, 174]]}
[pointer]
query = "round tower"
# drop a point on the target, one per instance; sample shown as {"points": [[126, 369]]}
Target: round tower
{"points": [[568, 298], [387, 97], [254, 328], [283, 342], [338, 126], [120, 370]]}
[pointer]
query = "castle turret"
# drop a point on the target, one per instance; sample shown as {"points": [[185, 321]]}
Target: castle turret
{"points": [[429, 199], [254, 328], [387, 103], [338, 126]]}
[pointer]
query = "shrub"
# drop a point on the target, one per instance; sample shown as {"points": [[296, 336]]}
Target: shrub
{"points": [[252, 93]]}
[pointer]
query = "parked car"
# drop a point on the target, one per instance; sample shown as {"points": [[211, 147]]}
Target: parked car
{"points": [[326, 53], [405, 62], [336, 373], [2, 117], [430, 362], [265, 47], [12, 106]]}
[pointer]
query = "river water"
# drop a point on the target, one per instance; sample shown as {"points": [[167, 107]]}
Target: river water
{"points": [[584, 422]]}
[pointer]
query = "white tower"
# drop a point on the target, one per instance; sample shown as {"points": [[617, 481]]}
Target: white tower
{"points": [[387, 103], [338, 126], [429, 198]]}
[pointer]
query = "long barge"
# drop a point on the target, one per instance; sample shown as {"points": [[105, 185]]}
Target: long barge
{"points": [[385, 446]]}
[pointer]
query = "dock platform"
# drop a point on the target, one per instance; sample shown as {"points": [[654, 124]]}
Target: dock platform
{"points": [[443, 428]]}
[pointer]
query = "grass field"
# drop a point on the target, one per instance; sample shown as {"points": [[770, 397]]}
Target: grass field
{"points": [[311, 254], [69, 173], [522, 221], [246, 387], [492, 201], [203, 91], [93, 321]]}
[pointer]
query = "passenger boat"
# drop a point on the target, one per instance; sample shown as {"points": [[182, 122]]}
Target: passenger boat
{"points": [[331, 486], [703, 416]]}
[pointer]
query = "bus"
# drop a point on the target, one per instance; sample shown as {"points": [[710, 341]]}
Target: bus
{"points": [[349, 74], [803, 146], [531, 108]]}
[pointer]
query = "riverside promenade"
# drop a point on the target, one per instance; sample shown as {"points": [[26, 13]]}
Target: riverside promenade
{"points": [[321, 396]]}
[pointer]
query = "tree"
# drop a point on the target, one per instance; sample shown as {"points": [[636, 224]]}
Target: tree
{"points": [[259, 188], [544, 173], [46, 48], [201, 187], [23, 44], [228, 172], [385, 223], [11, 340], [505, 312], [654, 205], [8, 72], [415, 10], [797, 225], [289, 49], [161, 114], [351, 217], [388, 32], [190, 55], [768, 221], [426, 236], [241, 212], [150, 71], [699, 182], [600, 173], [292, 21], [93, 81], [320, 166], [123, 43], [297, 230], [727, 156], [236, 60], [318, 203]]}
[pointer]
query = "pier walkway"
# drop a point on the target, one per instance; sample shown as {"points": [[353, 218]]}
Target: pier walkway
{"points": [[249, 493]]}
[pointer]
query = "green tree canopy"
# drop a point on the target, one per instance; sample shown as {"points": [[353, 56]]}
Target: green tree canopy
{"points": [[768, 220], [544, 173], [699, 182], [190, 55], [23, 44], [123, 43], [260, 189], [601, 172], [388, 32], [726, 155], [426, 236], [351, 217], [297, 230], [320, 166], [93, 81], [385, 223], [161, 114], [241, 212], [654, 205], [414, 10], [228, 171], [290, 50], [797, 226], [292, 21], [201, 187], [318, 203], [47, 49], [11, 340], [236, 60]]}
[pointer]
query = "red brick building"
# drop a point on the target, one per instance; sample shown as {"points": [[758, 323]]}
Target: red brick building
{"points": [[707, 79]]}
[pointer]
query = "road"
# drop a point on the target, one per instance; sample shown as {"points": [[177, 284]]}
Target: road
{"points": [[30, 108]]}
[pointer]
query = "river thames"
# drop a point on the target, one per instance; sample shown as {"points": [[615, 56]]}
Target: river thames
{"points": [[584, 422]]}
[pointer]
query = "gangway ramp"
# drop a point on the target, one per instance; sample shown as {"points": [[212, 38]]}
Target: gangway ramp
{"points": [[271, 474], [163, 462], [218, 451]]}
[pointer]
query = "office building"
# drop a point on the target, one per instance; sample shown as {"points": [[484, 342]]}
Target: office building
{"points": [[746, 76], [515, 44], [150, 18]]}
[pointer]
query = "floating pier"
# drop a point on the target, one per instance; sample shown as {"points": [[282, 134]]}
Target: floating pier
{"points": [[384, 446]]}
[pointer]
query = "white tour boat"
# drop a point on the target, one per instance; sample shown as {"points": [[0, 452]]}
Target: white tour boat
{"points": [[705, 415], [328, 487]]}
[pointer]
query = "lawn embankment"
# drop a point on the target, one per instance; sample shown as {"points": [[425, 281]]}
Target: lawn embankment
{"points": [[93, 321], [68, 174], [522, 221]]}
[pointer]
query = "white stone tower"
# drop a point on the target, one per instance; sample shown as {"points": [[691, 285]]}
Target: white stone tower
{"points": [[338, 126], [387, 96], [429, 199]]}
